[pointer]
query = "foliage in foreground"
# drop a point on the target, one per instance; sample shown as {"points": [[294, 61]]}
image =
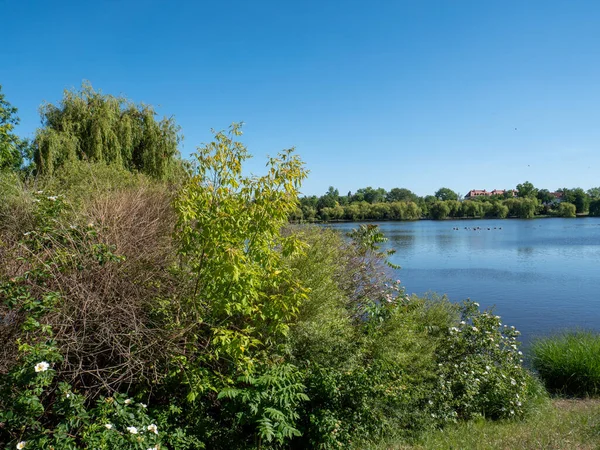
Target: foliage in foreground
{"points": [[226, 328], [569, 363]]}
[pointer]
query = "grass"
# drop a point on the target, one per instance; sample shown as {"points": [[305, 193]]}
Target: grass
{"points": [[569, 363], [562, 424]]}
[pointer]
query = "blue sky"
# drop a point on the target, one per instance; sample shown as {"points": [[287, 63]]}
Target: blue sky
{"points": [[416, 94]]}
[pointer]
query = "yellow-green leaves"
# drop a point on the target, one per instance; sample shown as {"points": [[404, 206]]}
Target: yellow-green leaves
{"points": [[231, 245]]}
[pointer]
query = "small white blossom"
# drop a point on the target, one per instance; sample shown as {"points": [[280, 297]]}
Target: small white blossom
{"points": [[53, 198], [143, 405], [132, 430], [108, 426], [42, 366], [513, 382], [153, 428], [488, 368], [520, 353], [476, 304], [128, 401], [21, 445], [475, 329]]}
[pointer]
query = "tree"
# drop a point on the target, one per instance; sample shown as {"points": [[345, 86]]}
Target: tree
{"points": [[400, 195], [446, 194], [566, 209], [544, 196], [370, 195], [526, 190], [472, 209], [11, 146], [439, 210], [329, 200], [92, 126], [581, 200], [595, 208], [594, 193]]}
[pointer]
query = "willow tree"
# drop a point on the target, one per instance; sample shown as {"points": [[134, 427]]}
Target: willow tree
{"points": [[89, 125]]}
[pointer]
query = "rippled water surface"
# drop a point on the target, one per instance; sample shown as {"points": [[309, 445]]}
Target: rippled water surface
{"points": [[542, 275]]}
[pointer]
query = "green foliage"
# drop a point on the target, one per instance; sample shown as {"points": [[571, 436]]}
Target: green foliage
{"points": [[566, 209], [439, 210], [526, 190], [88, 125], [446, 194], [480, 371], [12, 148], [595, 208], [268, 402], [569, 363]]}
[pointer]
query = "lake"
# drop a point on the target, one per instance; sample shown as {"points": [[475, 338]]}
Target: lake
{"points": [[542, 275]]}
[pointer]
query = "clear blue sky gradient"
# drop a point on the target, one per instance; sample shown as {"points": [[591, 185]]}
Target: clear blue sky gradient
{"points": [[416, 94]]}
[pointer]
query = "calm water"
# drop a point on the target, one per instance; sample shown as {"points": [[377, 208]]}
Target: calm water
{"points": [[541, 275]]}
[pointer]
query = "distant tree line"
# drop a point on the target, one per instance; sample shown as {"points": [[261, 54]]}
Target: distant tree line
{"points": [[402, 204]]}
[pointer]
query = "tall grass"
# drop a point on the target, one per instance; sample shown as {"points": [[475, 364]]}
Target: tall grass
{"points": [[569, 363]]}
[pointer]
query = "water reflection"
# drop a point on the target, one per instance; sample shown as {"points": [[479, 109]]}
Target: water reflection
{"points": [[402, 241], [540, 274]]}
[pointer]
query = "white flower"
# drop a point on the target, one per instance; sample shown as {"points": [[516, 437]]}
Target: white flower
{"points": [[476, 304], [475, 329], [520, 353], [128, 401], [21, 445], [39, 192], [108, 426], [513, 382], [152, 428], [462, 322], [143, 405], [511, 411], [132, 430], [68, 395], [518, 403], [153, 448], [53, 198], [41, 367], [488, 368]]}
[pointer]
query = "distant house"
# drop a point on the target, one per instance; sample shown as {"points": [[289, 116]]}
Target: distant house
{"points": [[478, 193]]}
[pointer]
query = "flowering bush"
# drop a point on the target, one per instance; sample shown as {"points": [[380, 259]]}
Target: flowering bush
{"points": [[480, 371]]}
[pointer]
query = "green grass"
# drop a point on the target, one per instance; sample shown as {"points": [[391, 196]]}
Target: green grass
{"points": [[569, 363], [558, 425]]}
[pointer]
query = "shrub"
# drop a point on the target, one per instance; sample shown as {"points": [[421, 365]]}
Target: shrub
{"points": [[569, 363]]}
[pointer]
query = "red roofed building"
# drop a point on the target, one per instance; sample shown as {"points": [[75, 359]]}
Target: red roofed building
{"points": [[478, 193]]}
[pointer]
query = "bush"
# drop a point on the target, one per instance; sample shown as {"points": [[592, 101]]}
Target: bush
{"points": [[239, 330], [569, 363]]}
